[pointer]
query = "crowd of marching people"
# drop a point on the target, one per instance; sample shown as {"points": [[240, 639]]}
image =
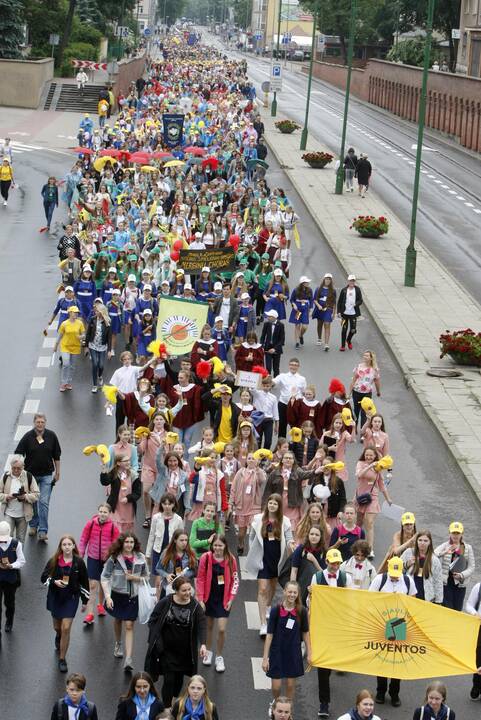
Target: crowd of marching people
{"points": [[210, 469]]}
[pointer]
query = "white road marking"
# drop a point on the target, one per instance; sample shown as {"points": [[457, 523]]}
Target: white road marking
{"points": [[49, 342], [43, 361], [261, 681], [38, 383], [460, 197], [438, 182], [453, 192], [431, 177], [20, 431], [31, 406], [477, 211], [445, 187], [245, 574], [469, 204], [252, 615]]}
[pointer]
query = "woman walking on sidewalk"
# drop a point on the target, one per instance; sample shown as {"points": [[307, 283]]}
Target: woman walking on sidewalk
{"points": [[363, 174], [324, 304], [50, 199], [70, 338], [366, 377], [6, 180], [350, 167]]}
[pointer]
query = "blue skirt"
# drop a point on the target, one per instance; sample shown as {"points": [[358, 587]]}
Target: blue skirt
{"points": [[323, 315], [303, 318], [115, 325], [125, 607], [62, 604], [94, 568]]}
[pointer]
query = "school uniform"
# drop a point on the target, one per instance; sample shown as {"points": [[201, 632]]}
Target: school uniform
{"points": [[85, 294], [287, 628]]}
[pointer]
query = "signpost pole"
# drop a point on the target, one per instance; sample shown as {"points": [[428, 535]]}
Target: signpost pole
{"points": [[309, 81], [274, 99]]}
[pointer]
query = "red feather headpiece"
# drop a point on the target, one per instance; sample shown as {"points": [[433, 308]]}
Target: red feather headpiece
{"points": [[336, 386]]}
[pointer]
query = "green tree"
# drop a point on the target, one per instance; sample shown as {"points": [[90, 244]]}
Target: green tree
{"points": [[411, 52], [11, 28], [446, 18], [67, 29], [88, 11]]}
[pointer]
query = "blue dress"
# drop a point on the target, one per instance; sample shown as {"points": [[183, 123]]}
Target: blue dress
{"points": [[321, 297], [61, 309], [61, 602], [303, 306], [140, 306], [223, 342], [85, 294], [270, 557], [273, 302], [285, 655], [143, 339], [241, 329], [115, 313], [107, 288], [214, 606]]}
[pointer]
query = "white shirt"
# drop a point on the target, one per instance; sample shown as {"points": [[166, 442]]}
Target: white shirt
{"points": [[472, 600], [350, 302], [125, 378], [288, 381], [266, 402], [398, 586], [14, 507], [20, 561], [225, 310]]}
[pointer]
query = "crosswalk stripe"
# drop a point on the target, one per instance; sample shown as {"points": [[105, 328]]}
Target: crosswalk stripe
{"points": [[261, 681], [244, 573], [252, 615], [23, 146], [21, 430]]}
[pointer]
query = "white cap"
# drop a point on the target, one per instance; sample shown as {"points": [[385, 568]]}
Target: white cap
{"points": [[69, 287], [272, 313], [187, 286], [278, 271], [245, 296], [217, 285], [219, 318], [112, 269], [329, 275], [146, 271], [147, 286], [147, 311], [165, 282], [304, 279], [351, 277], [206, 269], [86, 267], [198, 235], [131, 278], [5, 533], [115, 291]]}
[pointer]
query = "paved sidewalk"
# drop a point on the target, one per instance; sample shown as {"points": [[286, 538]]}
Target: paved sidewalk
{"points": [[411, 319]]}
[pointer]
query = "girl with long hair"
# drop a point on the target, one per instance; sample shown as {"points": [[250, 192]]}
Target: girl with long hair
{"points": [[149, 447], [245, 441], [369, 481], [195, 703], [435, 707], [365, 378], [177, 559], [425, 568], [301, 301], [245, 497], [141, 700], [125, 491], [217, 584], [457, 562], [66, 578], [98, 339], [373, 432], [336, 439], [324, 303], [308, 558], [314, 516], [164, 524]]}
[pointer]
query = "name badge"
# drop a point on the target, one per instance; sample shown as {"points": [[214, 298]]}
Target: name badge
{"points": [[182, 488], [248, 489], [178, 570], [40, 440], [357, 582], [290, 623], [311, 413], [220, 579], [270, 536]]}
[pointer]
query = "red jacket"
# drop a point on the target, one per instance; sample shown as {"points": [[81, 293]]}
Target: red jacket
{"points": [[96, 538], [203, 582]]}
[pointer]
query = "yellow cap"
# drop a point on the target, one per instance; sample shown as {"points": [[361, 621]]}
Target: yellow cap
{"points": [[456, 527], [395, 567], [408, 518], [73, 308], [333, 556]]}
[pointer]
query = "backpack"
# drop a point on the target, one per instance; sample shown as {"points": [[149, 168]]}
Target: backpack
{"points": [[341, 578], [422, 713], [29, 478], [404, 576], [60, 704]]}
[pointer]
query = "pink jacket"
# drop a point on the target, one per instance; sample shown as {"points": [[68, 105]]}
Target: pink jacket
{"points": [[203, 580], [96, 538]]}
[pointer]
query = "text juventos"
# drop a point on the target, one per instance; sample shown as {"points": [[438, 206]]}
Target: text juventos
{"points": [[395, 648]]}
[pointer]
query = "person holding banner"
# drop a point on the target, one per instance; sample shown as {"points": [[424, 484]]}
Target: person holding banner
{"points": [[425, 568], [457, 561], [363, 709], [394, 581], [473, 607]]}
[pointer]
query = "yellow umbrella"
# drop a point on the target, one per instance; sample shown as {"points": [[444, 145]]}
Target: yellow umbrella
{"points": [[100, 163], [174, 163], [148, 168]]}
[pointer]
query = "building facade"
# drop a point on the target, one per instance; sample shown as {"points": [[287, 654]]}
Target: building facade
{"points": [[144, 13], [469, 44]]}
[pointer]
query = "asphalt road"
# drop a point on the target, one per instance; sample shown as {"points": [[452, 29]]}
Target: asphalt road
{"points": [[425, 480], [449, 212]]}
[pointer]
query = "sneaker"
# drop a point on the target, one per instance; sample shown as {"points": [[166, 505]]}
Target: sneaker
{"points": [[396, 701], [32, 531], [89, 619], [207, 659], [128, 664], [8, 626], [297, 345], [326, 349], [94, 388], [5, 203], [301, 340], [101, 611], [319, 342], [219, 664], [323, 710], [100, 381], [342, 349], [62, 388], [68, 386], [263, 630], [62, 666], [349, 345], [118, 652], [42, 537], [475, 693], [380, 698]]}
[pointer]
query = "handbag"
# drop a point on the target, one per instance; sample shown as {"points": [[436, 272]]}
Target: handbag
{"points": [[147, 602], [366, 498]]}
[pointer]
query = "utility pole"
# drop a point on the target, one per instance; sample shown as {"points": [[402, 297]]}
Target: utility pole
{"points": [[274, 99], [309, 79], [350, 51]]}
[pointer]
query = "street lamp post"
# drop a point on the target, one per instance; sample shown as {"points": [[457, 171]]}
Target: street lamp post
{"points": [[350, 51], [274, 99], [410, 265], [309, 80]]}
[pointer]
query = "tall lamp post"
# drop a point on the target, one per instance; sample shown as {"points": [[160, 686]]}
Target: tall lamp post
{"points": [[309, 80], [350, 51], [274, 99], [410, 265]]}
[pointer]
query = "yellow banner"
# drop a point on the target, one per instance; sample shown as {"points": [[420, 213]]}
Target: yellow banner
{"points": [[179, 323], [389, 635]]}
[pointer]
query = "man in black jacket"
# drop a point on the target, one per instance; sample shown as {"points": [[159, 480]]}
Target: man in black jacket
{"points": [[350, 300], [273, 337], [228, 308]]}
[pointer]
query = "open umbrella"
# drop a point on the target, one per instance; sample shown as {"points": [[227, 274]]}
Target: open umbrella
{"points": [[111, 152], [174, 163], [139, 157], [255, 161], [194, 150], [100, 163], [194, 161], [161, 155], [83, 150], [149, 168], [211, 162]]}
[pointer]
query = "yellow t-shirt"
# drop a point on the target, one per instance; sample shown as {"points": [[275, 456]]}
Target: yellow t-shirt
{"points": [[225, 427], [71, 333]]}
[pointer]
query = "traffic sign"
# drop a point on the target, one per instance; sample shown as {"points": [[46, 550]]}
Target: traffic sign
{"points": [[276, 77], [122, 31], [266, 86], [147, 31], [456, 34], [321, 42], [54, 39]]}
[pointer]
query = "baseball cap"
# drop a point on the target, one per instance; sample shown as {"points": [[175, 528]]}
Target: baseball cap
{"points": [[147, 286], [219, 318], [333, 556], [304, 279], [456, 527], [329, 275], [73, 308], [351, 277], [69, 287], [245, 296], [277, 271], [408, 518], [116, 291], [187, 286], [395, 567], [86, 268], [131, 278], [147, 311], [206, 269], [217, 285], [272, 313], [112, 269], [5, 533]]}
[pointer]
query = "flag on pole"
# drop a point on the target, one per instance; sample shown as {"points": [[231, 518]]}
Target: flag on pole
{"points": [[297, 237], [389, 635], [179, 323]]}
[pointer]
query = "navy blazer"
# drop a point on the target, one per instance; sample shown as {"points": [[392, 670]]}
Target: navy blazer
{"points": [[127, 710]]}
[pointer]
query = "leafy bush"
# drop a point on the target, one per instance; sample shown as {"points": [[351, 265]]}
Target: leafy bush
{"points": [[411, 52]]}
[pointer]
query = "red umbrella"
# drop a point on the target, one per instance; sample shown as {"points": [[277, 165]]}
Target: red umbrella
{"points": [[211, 162], [194, 150], [161, 155], [139, 157], [111, 152], [83, 150]]}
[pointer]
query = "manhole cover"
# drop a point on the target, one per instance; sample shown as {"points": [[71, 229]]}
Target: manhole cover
{"points": [[434, 372]]}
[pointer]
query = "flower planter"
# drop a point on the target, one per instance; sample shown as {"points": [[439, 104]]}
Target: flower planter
{"points": [[317, 160], [465, 359], [321, 164], [462, 346], [369, 226], [287, 130], [286, 127]]}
